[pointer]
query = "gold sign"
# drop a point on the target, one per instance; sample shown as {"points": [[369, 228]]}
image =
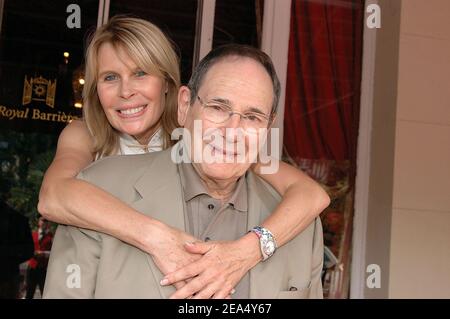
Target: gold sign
{"points": [[39, 89]]}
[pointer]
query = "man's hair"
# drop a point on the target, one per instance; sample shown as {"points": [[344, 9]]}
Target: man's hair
{"points": [[234, 50], [152, 51]]}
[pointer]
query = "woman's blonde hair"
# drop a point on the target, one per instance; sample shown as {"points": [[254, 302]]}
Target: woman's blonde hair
{"points": [[153, 52]]}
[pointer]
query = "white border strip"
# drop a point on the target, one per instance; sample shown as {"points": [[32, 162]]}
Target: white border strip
{"points": [[106, 12], [101, 5], [358, 269], [206, 29], [275, 42]]}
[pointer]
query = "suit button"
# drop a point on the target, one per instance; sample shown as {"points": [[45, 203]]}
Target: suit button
{"points": [[210, 206], [293, 289]]}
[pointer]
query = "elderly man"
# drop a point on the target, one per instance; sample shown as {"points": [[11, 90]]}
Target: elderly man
{"points": [[204, 186]]}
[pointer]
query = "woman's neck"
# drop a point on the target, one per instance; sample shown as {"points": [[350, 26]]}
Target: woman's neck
{"points": [[145, 138]]}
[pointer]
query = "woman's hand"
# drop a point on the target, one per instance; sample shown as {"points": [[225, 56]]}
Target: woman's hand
{"points": [[168, 251], [220, 268]]}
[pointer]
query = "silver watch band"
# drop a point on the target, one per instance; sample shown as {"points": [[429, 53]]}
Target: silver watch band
{"points": [[267, 241]]}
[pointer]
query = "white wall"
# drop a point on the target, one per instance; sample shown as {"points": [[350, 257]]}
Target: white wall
{"points": [[420, 230]]}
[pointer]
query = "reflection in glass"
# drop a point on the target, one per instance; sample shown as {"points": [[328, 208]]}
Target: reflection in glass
{"points": [[176, 18]]}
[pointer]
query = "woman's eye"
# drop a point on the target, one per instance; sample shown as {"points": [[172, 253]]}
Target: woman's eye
{"points": [[140, 73], [110, 77]]}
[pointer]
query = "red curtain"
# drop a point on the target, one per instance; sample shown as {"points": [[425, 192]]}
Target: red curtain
{"points": [[323, 79]]}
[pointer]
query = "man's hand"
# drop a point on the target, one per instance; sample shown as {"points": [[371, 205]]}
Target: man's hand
{"points": [[218, 271]]}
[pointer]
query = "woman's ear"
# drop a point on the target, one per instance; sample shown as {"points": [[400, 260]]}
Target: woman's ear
{"points": [[184, 99]]}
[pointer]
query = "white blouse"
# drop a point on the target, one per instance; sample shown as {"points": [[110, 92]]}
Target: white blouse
{"points": [[129, 146]]}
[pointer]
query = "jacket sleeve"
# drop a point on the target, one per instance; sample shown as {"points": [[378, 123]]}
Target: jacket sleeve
{"points": [[73, 264], [317, 262], [72, 269]]}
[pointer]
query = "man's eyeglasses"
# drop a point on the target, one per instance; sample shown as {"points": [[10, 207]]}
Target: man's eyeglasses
{"points": [[219, 113]]}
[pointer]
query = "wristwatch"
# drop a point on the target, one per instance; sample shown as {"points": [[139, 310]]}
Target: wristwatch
{"points": [[267, 242]]}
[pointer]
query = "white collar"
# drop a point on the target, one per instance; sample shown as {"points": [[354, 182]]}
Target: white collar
{"points": [[129, 145]]}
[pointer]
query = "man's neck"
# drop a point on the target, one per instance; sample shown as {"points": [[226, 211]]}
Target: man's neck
{"points": [[218, 189]]}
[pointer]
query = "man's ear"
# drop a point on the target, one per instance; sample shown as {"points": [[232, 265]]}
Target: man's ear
{"points": [[184, 99]]}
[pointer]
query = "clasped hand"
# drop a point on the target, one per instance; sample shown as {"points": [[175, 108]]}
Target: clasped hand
{"points": [[202, 270]]}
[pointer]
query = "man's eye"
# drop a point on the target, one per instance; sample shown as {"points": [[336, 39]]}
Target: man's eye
{"points": [[253, 117], [218, 107], [110, 77], [141, 73]]}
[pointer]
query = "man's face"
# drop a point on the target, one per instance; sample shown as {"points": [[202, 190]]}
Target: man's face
{"points": [[242, 85]]}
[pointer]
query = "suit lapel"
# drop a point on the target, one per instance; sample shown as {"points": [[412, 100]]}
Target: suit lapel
{"points": [[160, 190]]}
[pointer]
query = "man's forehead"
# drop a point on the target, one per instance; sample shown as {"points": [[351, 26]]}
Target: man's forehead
{"points": [[233, 63], [237, 75]]}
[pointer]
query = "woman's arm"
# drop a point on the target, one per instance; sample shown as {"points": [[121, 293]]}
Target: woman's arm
{"points": [[67, 200], [303, 200]]}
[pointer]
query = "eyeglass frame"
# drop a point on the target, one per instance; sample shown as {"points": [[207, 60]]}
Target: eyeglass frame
{"points": [[204, 104]]}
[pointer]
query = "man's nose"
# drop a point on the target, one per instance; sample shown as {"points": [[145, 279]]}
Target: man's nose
{"points": [[233, 128], [234, 121], [126, 89]]}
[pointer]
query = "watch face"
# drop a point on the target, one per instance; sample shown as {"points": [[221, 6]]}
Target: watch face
{"points": [[269, 248]]}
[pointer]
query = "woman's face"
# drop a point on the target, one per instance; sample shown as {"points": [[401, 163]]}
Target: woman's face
{"points": [[133, 100]]}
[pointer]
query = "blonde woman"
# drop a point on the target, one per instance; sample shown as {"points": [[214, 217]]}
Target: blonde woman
{"points": [[130, 94]]}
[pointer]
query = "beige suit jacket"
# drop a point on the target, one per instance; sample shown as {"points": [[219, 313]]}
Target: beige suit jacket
{"points": [[89, 264]]}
